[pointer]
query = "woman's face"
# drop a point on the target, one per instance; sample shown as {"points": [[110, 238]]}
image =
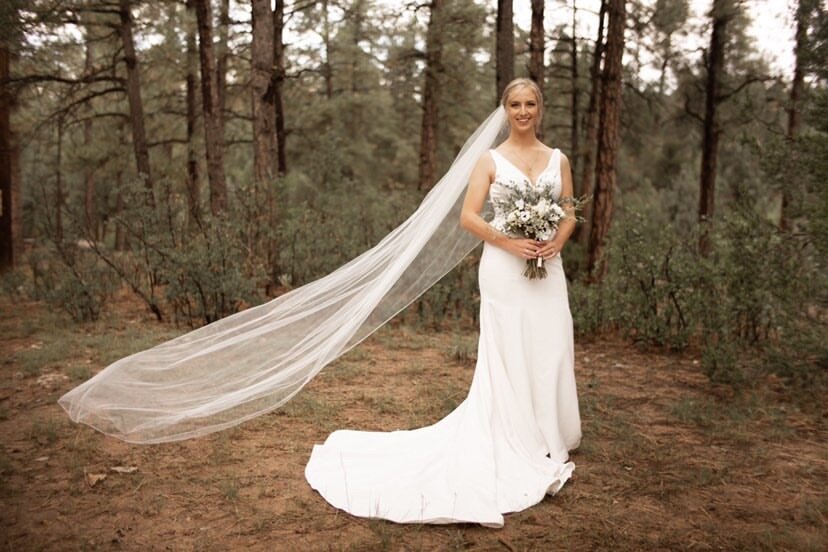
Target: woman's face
{"points": [[523, 109]]}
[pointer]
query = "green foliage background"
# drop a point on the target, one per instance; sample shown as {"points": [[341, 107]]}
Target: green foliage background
{"points": [[756, 305]]}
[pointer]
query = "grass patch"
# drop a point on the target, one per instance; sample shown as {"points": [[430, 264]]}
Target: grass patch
{"points": [[106, 348], [786, 538], [347, 372], [382, 404], [403, 338], [80, 453], [734, 420], [357, 354], [414, 368], [32, 361], [435, 400], [220, 453], [44, 432], [463, 349], [307, 407], [79, 372], [230, 489], [696, 412]]}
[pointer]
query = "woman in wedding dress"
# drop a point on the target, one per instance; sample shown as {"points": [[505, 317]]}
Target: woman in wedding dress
{"points": [[502, 450], [507, 444]]}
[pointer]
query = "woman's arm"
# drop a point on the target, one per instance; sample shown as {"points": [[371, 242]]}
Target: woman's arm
{"points": [[470, 219]]}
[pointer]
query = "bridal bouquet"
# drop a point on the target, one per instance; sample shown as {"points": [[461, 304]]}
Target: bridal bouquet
{"points": [[531, 212]]}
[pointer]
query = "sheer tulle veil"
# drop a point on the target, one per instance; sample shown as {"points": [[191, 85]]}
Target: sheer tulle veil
{"points": [[254, 361]]}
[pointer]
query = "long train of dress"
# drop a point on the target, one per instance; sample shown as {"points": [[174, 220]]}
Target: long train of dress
{"points": [[504, 447]]}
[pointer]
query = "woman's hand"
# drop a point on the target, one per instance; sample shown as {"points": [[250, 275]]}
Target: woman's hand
{"points": [[549, 248], [520, 247]]}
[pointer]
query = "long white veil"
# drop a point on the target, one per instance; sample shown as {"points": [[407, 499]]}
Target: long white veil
{"points": [[254, 361]]}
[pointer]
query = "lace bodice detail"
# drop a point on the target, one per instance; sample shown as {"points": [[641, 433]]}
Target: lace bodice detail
{"points": [[508, 176]]}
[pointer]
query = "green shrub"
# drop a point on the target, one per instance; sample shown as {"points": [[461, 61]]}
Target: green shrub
{"points": [[754, 305], [70, 277]]}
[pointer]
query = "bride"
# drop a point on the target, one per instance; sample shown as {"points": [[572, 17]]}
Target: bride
{"points": [[507, 445], [501, 450]]}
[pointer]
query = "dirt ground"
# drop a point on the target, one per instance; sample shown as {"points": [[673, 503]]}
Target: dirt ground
{"points": [[668, 462]]}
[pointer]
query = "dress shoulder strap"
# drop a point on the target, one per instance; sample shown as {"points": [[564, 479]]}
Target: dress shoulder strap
{"points": [[496, 157], [555, 160]]}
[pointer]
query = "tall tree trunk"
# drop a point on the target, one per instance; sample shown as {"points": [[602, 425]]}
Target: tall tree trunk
{"points": [[278, 83], [794, 110], [8, 236], [261, 84], [605, 177], [193, 178], [222, 56], [431, 93], [574, 157], [327, 70], [213, 135], [537, 48], [536, 43], [121, 240], [505, 46], [356, 18], [90, 218], [662, 76], [711, 131], [136, 106], [121, 243], [58, 229], [587, 174]]}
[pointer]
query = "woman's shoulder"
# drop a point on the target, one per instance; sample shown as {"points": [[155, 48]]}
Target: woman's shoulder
{"points": [[486, 159]]}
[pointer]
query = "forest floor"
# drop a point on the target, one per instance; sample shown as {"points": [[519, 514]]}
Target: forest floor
{"points": [[668, 461]]}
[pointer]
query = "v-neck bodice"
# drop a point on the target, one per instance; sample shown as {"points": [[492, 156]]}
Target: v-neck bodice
{"points": [[507, 175]]}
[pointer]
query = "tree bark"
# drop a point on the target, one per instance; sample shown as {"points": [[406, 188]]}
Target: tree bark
{"points": [[537, 49], [431, 93], [798, 84], [278, 84], [356, 19], [605, 177], [261, 84], [794, 110], [193, 177], [211, 108], [587, 168], [8, 250], [58, 229], [222, 56], [536, 43], [327, 71], [505, 46], [121, 243], [136, 106], [89, 211], [574, 156], [711, 132]]}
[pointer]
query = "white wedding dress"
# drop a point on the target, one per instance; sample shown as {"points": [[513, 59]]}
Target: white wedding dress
{"points": [[507, 444]]}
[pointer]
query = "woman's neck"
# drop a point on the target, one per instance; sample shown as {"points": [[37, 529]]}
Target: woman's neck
{"points": [[522, 139]]}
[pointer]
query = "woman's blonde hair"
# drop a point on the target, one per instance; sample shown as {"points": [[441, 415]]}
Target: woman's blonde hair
{"points": [[524, 83]]}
